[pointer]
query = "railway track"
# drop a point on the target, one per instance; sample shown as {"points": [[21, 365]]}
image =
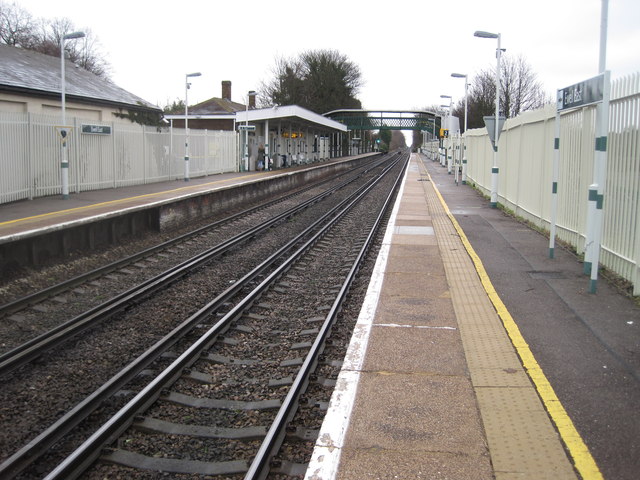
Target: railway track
{"points": [[33, 348], [210, 359], [237, 221]]}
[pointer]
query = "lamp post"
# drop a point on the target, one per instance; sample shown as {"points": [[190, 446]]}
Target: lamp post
{"points": [[464, 147], [186, 123], [447, 124], [64, 131], [494, 171]]}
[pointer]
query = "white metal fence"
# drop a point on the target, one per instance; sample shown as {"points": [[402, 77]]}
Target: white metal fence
{"points": [[30, 155], [525, 160]]}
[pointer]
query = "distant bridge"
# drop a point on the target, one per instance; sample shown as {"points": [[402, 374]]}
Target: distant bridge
{"points": [[356, 119]]}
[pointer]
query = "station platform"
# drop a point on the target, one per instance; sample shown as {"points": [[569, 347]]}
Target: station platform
{"points": [[439, 381], [50, 212], [34, 231]]}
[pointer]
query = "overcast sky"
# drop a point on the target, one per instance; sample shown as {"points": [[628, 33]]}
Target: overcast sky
{"points": [[406, 49]]}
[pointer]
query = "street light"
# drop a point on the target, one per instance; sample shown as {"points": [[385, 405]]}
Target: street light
{"points": [[186, 123], [447, 125], [462, 75], [464, 145], [494, 171], [64, 130]]}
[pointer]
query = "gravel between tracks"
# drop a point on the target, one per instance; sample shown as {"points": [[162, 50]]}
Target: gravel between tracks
{"points": [[34, 397]]}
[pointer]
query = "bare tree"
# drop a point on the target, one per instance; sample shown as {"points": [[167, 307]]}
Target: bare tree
{"points": [[19, 29], [16, 25], [520, 91]]}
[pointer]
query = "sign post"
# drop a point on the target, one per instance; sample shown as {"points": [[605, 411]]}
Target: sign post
{"points": [[64, 132], [494, 129], [595, 90]]}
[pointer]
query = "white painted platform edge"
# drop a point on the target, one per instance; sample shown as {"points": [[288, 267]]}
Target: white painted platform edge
{"points": [[326, 453]]}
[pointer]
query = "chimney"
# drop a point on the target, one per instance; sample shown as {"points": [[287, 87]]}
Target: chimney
{"points": [[226, 89], [252, 100]]}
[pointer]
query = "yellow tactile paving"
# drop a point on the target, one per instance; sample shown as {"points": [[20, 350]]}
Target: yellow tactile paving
{"points": [[522, 439]]}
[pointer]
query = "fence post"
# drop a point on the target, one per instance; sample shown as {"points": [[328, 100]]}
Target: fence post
{"points": [[600, 167], [554, 184], [206, 153], [76, 140], [114, 156], [29, 156], [464, 159], [144, 155]]}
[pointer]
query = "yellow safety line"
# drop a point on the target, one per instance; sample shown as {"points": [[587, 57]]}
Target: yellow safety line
{"points": [[583, 461], [86, 207]]}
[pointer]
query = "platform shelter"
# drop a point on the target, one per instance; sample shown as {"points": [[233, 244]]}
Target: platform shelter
{"points": [[287, 135]]}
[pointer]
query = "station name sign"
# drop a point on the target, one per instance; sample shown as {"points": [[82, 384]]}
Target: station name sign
{"points": [[581, 94], [96, 129]]}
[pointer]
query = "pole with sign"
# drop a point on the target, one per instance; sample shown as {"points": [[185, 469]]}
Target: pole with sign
{"points": [[65, 130], [595, 90], [494, 129], [596, 192], [578, 95]]}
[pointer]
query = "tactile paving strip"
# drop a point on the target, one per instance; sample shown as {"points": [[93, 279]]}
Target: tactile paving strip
{"points": [[522, 440]]}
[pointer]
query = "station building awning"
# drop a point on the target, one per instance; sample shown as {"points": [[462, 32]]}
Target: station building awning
{"points": [[291, 114]]}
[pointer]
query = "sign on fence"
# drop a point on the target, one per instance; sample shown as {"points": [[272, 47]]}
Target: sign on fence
{"points": [[96, 129], [582, 93]]}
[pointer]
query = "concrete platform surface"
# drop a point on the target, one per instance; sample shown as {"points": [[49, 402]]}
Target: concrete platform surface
{"points": [[437, 383]]}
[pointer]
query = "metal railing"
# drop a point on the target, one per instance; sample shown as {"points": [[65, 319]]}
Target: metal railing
{"points": [[525, 181], [130, 154]]}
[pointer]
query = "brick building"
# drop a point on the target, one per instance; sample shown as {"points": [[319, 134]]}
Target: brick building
{"points": [[217, 113]]}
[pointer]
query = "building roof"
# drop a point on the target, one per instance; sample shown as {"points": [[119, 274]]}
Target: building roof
{"points": [[27, 72], [290, 113], [215, 106]]}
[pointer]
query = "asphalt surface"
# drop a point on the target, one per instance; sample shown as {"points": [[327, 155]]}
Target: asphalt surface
{"points": [[587, 344]]}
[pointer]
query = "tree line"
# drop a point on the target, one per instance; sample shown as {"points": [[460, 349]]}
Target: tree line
{"points": [[318, 80]]}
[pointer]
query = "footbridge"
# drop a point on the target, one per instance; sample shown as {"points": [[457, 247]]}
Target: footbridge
{"points": [[356, 119], [360, 124]]}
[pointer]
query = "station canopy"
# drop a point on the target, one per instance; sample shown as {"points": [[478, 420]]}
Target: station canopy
{"points": [[290, 114], [355, 119]]}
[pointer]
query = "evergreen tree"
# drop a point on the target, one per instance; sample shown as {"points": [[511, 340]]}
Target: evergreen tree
{"points": [[319, 80]]}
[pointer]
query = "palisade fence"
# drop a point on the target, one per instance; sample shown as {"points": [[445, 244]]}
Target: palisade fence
{"points": [[132, 154], [526, 161]]}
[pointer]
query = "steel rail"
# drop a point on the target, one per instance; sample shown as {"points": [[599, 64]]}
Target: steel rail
{"points": [[78, 461], [259, 468], [24, 457], [35, 347], [53, 290]]}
